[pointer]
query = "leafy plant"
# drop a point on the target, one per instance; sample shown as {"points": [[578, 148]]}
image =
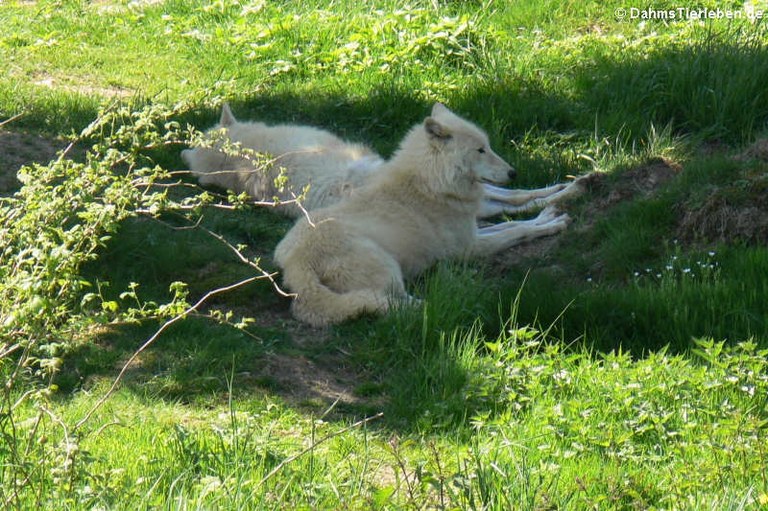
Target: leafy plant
{"points": [[56, 224]]}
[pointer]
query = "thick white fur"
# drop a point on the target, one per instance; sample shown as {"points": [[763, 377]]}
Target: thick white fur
{"points": [[420, 206], [310, 159]]}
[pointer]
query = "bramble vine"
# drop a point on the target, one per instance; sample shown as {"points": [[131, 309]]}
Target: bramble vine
{"points": [[59, 221]]}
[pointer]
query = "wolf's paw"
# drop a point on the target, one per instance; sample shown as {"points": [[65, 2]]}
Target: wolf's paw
{"points": [[560, 222], [587, 181], [412, 301], [547, 215], [564, 220]]}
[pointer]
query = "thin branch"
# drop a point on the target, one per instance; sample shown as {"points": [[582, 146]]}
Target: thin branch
{"points": [[244, 259], [297, 201], [6, 349], [12, 119], [219, 320], [226, 207], [183, 227], [165, 326]]}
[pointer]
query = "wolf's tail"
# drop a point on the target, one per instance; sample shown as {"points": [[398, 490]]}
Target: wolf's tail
{"points": [[319, 305]]}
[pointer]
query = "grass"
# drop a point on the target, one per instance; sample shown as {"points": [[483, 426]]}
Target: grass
{"points": [[622, 367]]}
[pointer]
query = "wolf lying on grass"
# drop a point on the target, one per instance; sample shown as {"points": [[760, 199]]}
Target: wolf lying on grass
{"points": [[369, 223], [420, 206], [318, 167]]}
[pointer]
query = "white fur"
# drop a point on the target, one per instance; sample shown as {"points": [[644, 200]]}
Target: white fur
{"points": [[352, 257], [310, 158]]}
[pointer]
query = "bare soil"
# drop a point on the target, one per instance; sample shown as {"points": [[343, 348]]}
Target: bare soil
{"points": [[602, 193], [735, 213], [306, 381], [18, 149]]}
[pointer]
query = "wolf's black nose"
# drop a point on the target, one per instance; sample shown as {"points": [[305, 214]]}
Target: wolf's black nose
{"points": [[512, 173]]}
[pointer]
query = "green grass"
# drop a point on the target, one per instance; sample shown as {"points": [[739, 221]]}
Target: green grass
{"points": [[622, 368]]}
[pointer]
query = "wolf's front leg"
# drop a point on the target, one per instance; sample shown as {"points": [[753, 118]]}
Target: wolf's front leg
{"points": [[494, 239], [503, 200]]}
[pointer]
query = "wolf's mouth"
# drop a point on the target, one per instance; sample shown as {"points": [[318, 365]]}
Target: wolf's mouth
{"points": [[489, 181]]}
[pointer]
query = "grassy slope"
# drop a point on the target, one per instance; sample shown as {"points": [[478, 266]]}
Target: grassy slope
{"points": [[479, 410]]}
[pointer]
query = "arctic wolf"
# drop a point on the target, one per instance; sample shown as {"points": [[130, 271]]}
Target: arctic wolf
{"points": [[317, 167], [418, 207], [252, 157]]}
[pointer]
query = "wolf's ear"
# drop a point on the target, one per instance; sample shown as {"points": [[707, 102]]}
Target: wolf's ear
{"points": [[227, 117], [436, 130], [439, 109]]}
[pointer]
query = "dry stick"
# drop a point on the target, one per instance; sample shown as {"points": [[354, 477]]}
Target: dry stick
{"points": [[153, 338], [293, 458], [225, 207], [245, 260], [14, 118]]}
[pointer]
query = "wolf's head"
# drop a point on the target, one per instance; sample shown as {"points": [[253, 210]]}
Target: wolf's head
{"points": [[210, 157], [467, 147]]}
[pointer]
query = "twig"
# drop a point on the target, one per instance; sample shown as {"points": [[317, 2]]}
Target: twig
{"points": [[226, 207], [153, 338], [394, 444], [293, 458], [297, 201], [183, 227], [245, 260], [224, 321], [14, 118]]}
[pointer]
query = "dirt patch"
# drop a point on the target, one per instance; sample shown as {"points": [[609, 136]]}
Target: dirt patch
{"points": [[18, 149], [316, 380], [737, 213], [83, 89], [757, 151], [604, 192], [638, 182], [717, 221], [305, 381]]}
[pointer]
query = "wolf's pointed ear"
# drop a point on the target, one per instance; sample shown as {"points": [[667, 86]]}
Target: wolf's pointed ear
{"points": [[438, 109], [435, 130], [227, 117]]}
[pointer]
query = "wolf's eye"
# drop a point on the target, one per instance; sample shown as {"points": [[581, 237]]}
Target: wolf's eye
{"points": [[481, 150]]}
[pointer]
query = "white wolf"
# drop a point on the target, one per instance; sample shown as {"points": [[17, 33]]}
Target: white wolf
{"points": [[318, 166], [312, 160], [420, 206]]}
